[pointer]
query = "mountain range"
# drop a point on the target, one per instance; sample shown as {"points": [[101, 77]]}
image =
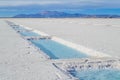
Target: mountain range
{"points": [[57, 14]]}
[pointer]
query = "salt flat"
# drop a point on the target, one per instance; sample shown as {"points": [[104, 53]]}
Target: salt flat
{"points": [[21, 61], [102, 35]]}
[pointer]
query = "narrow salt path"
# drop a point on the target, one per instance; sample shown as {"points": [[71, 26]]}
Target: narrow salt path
{"points": [[19, 60]]}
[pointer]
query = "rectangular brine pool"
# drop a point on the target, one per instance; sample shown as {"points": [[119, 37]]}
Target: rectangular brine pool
{"points": [[52, 48], [97, 74], [56, 50]]}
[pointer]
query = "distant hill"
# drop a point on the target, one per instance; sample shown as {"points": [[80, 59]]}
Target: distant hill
{"points": [[56, 14]]}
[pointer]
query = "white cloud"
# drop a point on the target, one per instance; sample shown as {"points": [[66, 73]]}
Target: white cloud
{"points": [[70, 3], [26, 2]]}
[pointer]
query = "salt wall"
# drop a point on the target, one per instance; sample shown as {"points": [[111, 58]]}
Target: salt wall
{"points": [[84, 64]]}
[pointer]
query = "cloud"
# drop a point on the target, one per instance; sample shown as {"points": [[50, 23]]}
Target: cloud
{"points": [[64, 3], [26, 2]]}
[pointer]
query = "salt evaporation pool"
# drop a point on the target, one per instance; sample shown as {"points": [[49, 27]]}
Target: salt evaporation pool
{"points": [[29, 33], [25, 32], [56, 50], [97, 74], [52, 48], [91, 68]]}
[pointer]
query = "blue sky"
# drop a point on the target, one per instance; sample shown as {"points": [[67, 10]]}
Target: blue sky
{"points": [[13, 7]]}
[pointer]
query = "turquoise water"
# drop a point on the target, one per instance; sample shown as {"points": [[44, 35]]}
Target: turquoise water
{"points": [[53, 49], [103, 74], [29, 33], [56, 50], [19, 28], [25, 32]]}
